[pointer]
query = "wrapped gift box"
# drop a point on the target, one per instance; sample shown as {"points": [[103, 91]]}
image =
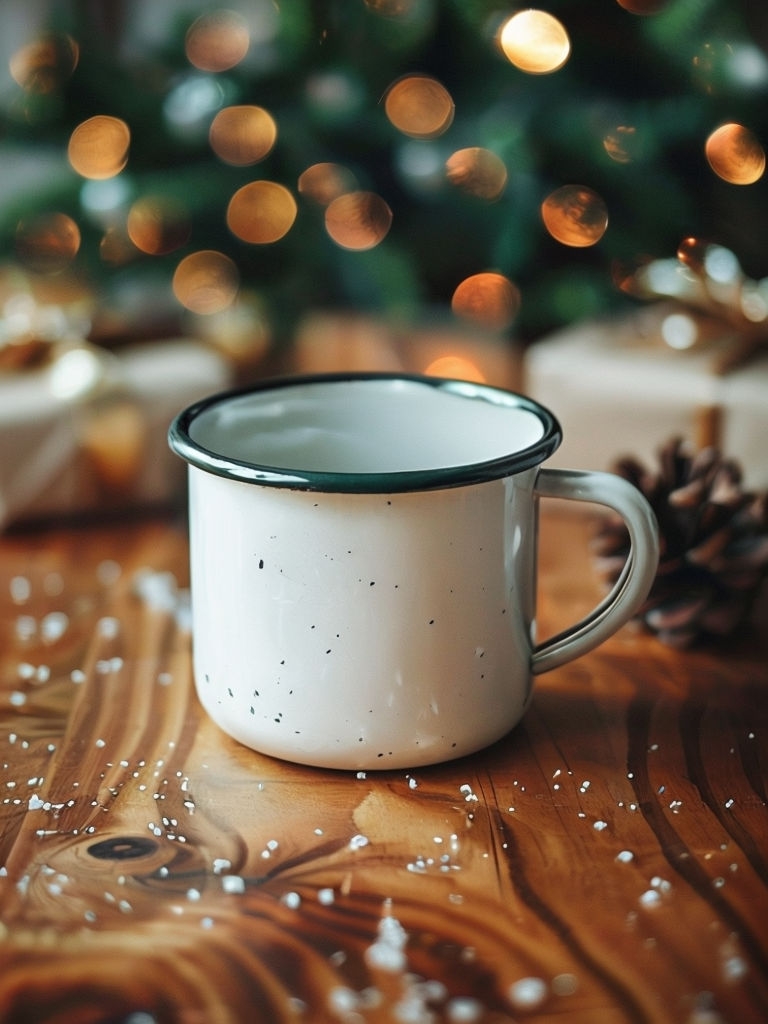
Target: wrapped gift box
{"points": [[618, 389], [69, 446]]}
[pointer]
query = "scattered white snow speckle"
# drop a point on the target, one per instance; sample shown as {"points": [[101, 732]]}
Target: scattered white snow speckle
{"points": [[108, 627], [528, 993], [463, 1010], [734, 968], [650, 898], [388, 951], [53, 626], [343, 1001]]}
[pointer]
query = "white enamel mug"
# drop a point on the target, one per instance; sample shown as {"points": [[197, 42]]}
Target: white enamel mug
{"points": [[363, 564]]}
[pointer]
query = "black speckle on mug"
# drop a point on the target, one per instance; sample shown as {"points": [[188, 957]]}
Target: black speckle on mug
{"points": [[328, 651], [229, 691], [207, 678], [372, 583], [261, 563], [431, 622], [252, 711]]}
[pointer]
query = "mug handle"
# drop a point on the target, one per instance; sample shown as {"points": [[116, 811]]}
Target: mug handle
{"points": [[636, 578]]}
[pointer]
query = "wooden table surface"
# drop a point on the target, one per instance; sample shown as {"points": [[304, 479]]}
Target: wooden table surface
{"points": [[606, 862]]}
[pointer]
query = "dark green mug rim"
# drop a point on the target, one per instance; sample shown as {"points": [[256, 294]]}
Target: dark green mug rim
{"points": [[182, 443]]}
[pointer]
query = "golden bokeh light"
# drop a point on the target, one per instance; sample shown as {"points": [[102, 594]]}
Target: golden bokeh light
{"points": [[358, 220], [324, 182], [693, 253], [217, 41], [242, 135], [206, 282], [261, 212], [113, 436], [477, 171], [98, 147], [43, 65], [158, 225], [535, 42], [455, 367], [621, 144], [488, 299], [419, 106], [575, 215], [643, 6], [735, 154], [48, 242]]}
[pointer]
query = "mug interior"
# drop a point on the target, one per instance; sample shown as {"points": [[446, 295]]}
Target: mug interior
{"points": [[348, 432]]}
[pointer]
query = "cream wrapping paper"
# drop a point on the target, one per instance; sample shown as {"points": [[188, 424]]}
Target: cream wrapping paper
{"points": [[47, 441], [617, 390]]}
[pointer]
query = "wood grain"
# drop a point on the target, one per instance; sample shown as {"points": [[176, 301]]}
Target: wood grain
{"points": [[606, 862]]}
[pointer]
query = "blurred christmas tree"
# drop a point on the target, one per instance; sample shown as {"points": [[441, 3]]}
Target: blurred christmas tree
{"points": [[448, 135]]}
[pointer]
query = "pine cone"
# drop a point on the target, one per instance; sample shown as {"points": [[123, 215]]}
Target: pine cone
{"points": [[713, 540]]}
